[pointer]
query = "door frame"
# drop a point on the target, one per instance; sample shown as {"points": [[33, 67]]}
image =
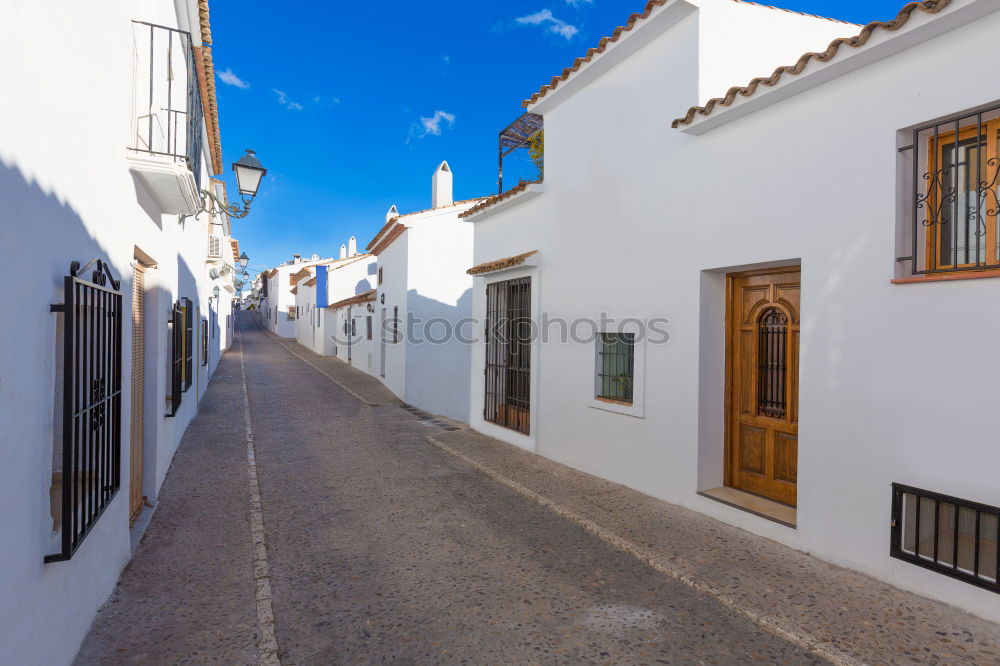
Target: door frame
{"points": [[728, 451]]}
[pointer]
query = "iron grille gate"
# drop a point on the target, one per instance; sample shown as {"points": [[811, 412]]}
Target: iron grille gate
{"points": [[508, 354], [91, 405]]}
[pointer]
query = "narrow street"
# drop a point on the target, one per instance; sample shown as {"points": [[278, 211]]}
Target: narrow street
{"points": [[380, 547]]}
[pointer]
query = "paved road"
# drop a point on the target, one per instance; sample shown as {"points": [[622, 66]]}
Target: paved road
{"points": [[382, 548]]}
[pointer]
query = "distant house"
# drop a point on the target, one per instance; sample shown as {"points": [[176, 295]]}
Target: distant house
{"points": [[353, 325], [786, 297], [320, 284], [423, 297], [276, 311]]}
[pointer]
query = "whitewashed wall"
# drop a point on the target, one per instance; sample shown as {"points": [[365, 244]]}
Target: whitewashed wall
{"points": [[643, 220], [68, 195]]}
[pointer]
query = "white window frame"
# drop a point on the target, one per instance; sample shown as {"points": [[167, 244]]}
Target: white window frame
{"points": [[637, 407]]}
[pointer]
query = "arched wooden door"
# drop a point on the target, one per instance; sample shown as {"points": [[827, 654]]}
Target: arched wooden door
{"points": [[763, 380]]}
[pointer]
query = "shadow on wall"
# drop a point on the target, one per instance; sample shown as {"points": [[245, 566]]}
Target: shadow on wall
{"points": [[439, 357], [40, 235], [362, 287]]}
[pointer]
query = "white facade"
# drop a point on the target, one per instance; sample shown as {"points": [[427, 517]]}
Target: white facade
{"points": [[424, 296], [277, 297], [895, 380], [321, 285], [69, 195]]}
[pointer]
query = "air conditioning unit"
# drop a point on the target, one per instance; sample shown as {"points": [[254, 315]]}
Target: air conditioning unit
{"points": [[214, 247]]}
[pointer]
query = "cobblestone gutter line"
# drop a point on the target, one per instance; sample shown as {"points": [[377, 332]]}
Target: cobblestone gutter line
{"points": [[267, 644], [824, 651]]}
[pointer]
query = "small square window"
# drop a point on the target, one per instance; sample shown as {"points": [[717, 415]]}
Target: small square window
{"points": [[615, 367]]}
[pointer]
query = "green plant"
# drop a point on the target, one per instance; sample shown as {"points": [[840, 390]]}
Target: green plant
{"points": [[536, 151]]}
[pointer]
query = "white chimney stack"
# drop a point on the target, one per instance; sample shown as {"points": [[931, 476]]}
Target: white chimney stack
{"points": [[391, 213], [441, 182], [343, 251], [352, 246]]}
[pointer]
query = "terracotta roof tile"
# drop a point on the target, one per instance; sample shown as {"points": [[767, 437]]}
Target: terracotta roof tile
{"points": [[602, 45], [500, 264], [927, 7], [311, 282], [206, 68], [353, 300], [497, 198]]}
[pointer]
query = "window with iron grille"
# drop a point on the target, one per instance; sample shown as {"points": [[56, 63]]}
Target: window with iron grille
{"points": [[188, 342], [954, 207], [204, 342], [90, 472], [395, 324], [292, 311], [508, 354], [952, 536], [176, 357], [368, 327], [379, 275], [615, 366]]}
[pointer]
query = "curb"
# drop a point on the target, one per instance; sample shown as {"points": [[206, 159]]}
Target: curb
{"points": [[805, 641]]}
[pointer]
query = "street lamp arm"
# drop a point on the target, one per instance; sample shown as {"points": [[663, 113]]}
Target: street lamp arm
{"points": [[212, 204]]}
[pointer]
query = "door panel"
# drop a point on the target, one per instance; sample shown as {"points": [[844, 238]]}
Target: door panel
{"points": [[762, 366], [138, 391]]}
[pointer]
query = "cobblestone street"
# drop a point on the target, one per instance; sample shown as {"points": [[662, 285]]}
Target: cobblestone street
{"points": [[381, 547]]}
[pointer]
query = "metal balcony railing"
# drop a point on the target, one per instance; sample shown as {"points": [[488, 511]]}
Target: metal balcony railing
{"points": [[169, 116]]}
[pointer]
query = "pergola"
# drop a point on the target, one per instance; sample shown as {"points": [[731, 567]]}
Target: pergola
{"points": [[514, 136]]}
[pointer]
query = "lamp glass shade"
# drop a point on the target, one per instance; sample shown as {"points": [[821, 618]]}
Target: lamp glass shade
{"points": [[244, 260], [215, 292], [249, 171]]}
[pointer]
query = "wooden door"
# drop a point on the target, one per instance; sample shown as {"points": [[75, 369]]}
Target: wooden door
{"points": [[138, 391], [762, 376]]}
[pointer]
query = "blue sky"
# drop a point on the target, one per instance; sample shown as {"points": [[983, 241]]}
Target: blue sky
{"points": [[351, 105]]}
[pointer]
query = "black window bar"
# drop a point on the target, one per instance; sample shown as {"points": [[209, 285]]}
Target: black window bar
{"points": [[91, 401], [204, 342], [176, 357], [395, 324], [188, 309], [772, 341], [955, 194], [508, 354], [952, 536], [616, 366]]}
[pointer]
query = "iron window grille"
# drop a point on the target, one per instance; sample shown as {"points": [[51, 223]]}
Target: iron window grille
{"points": [[91, 402], [368, 327], [615, 366], [772, 364], [955, 194], [204, 342], [176, 357], [353, 329], [949, 535], [170, 116], [188, 310], [379, 275], [508, 354], [395, 324]]}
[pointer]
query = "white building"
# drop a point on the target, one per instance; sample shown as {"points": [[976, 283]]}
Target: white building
{"points": [[318, 285], [424, 302], [276, 306], [822, 343], [111, 182], [353, 325]]}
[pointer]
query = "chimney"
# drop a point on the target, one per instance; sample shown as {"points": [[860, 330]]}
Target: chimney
{"points": [[343, 251], [352, 246], [441, 186], [391, 213], [296, 258]]}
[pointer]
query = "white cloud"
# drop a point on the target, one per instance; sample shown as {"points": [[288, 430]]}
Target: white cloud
{"points": [[431, 125], [546, 18], [285, 102], [230, 79], [577, 3]]}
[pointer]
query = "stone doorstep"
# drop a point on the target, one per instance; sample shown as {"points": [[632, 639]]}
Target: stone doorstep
{"points": [[841, 615]]}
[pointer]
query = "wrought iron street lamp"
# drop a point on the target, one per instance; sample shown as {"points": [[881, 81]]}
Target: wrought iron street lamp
{"points": [[249, 172], [215, 292], [244, 260]]}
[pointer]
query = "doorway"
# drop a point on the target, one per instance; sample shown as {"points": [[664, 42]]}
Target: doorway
{"points": [[762, 370]]}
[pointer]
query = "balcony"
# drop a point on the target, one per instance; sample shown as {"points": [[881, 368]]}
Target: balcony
{"points": [[166, 145]]}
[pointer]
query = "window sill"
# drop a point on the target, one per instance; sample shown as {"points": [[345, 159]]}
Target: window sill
{"points": [[633, 409], [759, 506], [626, 403], [946, 277]]}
